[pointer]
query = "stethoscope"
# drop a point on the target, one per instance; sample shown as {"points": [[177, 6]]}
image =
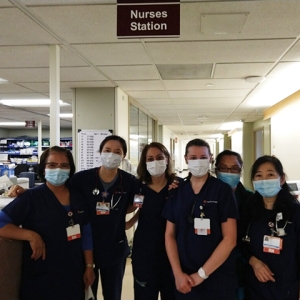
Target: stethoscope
{"points": [[280, 231], [96, 191]]}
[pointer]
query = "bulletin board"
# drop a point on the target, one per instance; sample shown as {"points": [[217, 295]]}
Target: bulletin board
{"points": [[88, 148]]}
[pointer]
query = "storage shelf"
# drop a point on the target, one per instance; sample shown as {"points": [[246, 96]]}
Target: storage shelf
{"points": [[8, 145]]}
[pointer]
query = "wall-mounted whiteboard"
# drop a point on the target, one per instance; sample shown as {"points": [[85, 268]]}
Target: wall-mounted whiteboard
{"points": [[88, 148]]}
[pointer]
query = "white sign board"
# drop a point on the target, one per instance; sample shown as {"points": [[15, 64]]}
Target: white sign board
{"points": [[88, 148]]}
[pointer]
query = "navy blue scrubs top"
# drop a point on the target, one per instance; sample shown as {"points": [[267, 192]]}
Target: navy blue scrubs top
{"points": [[194, 250], [285, 265], [109, 237], [60, 275], [149, 257]]}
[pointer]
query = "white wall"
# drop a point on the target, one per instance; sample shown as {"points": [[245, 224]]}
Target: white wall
{"points": [[237, 142], [4, 133], [285, 139], [167, 134], [121, 114]]}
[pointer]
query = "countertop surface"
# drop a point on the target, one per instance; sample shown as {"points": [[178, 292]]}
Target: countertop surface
{"points": [[4, 201]]}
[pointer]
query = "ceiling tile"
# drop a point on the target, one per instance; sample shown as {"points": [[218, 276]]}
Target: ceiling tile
{"points": [[205, 84], [35, 56], [130, 72], [18, 29], [80, 23], [113, 54], [228, 23], [148, 94], [140, 85], [242, 70], [209, 101], [217, 51], [195, 71], [152, 101], [206, 93]]}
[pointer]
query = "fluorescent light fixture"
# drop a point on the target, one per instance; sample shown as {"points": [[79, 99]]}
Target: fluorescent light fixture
{"points": [[30, 102], [203, 117], [12, 123], [231, 125], [216, 136], [255, 79], [134, 137], [3, 81], [65, 116]]}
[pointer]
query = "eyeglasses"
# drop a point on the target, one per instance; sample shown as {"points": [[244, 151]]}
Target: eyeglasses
{"points": [[234, 169], [52, 165]]}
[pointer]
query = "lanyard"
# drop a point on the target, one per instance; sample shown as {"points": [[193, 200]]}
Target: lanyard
{"points": [[202, 206]]}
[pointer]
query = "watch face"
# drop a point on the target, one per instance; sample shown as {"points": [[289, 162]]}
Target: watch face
{"points": [[202, 274]]}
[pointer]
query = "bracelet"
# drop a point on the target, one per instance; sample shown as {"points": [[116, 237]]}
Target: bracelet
{"points": [[202, 274], [90, 265]]}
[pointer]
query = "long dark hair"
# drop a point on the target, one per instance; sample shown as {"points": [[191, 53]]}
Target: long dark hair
{"points": [[142, 172]]}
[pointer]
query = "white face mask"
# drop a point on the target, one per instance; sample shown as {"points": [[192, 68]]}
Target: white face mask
{"points": [[110, 160], [198, 167], [156, 167]]}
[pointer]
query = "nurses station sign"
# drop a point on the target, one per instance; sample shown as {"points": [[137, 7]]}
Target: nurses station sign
{"points": [[148, 18]]}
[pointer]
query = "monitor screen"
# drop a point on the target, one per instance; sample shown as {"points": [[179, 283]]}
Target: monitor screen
{"points": [[293, 186]]}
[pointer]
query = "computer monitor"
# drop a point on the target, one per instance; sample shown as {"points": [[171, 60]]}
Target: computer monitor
{"points": [[25, 168]]}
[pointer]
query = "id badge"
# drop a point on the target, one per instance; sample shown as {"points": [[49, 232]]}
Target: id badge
{"points": [[138, 200], [73, 232], [272, 244], [202, 226], [102, 208]]}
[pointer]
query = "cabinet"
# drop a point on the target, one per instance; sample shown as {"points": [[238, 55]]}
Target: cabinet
{"points": [[23, 147]]}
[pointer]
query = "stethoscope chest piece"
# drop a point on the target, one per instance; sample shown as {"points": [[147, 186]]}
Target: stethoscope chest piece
{"points": [[95, 191]]}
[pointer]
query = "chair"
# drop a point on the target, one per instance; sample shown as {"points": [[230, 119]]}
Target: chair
{"points": [[30, 176]]}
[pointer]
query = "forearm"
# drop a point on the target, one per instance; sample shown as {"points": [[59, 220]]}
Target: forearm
{"points": [[132, 221], [172, 252], [130, 209], [223, 250], [219, 256], [14, 232], [88, 257]]}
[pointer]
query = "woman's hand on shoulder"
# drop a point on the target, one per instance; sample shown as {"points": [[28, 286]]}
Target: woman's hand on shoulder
{"points": [[15, 190], [173, 185], [261, 270]]}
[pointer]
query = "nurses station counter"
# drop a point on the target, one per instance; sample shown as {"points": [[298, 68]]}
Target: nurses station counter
{"points": [[10, 263]]}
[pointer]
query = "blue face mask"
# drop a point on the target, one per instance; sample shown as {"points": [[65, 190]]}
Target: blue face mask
{"points": [[230, 178], [57, 176], [267, 188]]}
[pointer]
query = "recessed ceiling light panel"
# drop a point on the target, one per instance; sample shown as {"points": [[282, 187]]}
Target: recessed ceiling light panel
{"points": [[30, 102]]}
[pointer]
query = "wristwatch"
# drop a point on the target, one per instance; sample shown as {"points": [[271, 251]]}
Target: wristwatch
{"points": [[90, 265], [202, 274]]}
